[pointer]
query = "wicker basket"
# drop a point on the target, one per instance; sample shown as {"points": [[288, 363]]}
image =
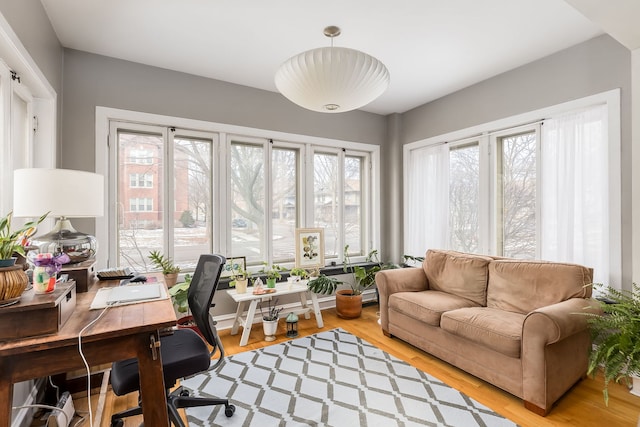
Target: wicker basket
{"points": [[13, 281]]}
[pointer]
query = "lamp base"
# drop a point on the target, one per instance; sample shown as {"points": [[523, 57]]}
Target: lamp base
{"points": [[78, 246]]}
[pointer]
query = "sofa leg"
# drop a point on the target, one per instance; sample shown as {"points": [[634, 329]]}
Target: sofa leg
{"points": [[536, 409], [387, 334]]}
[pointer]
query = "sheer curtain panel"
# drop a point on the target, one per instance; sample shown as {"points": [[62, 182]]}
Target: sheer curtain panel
{"points": [[426, 225], [575, 196]]}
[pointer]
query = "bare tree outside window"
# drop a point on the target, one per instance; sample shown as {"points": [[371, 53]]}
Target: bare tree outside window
{"points": [[247, 202], [464, 194], [192, 222], [517, 176], [284, 217], [325, 200]]}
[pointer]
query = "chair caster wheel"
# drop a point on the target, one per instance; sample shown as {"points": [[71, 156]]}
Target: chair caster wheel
{"points": [[117, 423], [184, 393], [229, 410]]}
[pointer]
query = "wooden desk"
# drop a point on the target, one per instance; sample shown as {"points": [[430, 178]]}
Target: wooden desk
{"points": [[122, 333]]}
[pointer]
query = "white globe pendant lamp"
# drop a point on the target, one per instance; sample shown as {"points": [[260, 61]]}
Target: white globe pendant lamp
{"points": [[332, 79]]}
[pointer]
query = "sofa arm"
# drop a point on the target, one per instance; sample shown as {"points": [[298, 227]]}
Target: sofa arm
{"points": [[391, 281], [555, 349], [555, 322]]}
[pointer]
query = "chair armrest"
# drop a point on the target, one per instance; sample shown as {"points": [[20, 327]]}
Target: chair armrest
{"points": [[555, 322], [388, 282]]}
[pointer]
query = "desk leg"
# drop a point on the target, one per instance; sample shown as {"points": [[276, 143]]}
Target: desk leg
{"points": [[248, 322], [6, 396], [316, 310], [238, 320], [152, 391]]}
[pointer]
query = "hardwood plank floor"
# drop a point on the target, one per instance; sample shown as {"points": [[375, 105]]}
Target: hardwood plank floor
{"points": [[581, 406]]}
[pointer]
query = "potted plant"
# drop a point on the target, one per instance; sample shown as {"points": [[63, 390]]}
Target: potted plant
{"points": [[349, 301], [272, 273], [13, 242], [13, 279], [616, 337], [270, 320], [240, 280], [299, 274], [165, 264]]}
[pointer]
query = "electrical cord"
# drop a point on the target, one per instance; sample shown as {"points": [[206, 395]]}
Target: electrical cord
{"points": [[56, 388], [86, 364], [41, 406]]}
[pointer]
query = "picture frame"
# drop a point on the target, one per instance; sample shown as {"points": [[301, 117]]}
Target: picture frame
{"points": [[233, 264], [309, 247]]}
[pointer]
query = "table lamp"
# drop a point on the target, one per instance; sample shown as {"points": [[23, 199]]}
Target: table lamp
{"points": [[65, 194]]}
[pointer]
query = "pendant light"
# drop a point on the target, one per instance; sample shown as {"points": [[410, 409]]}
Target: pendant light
{"points": [[332, 79]]}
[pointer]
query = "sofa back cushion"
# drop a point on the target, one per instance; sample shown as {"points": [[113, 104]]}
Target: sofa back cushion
{"points": [[457, 273], [522, 286]]}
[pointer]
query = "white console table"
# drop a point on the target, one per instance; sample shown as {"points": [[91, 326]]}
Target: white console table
{"points": [[248, 298]]}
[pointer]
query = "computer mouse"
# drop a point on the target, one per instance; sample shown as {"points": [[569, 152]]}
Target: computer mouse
{"points": [[138, 279]]}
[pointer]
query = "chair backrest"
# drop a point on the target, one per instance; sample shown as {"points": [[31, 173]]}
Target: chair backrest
{"points": [[203, 287]]}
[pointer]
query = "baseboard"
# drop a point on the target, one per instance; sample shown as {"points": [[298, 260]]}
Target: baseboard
{"points": [[24, 416]]}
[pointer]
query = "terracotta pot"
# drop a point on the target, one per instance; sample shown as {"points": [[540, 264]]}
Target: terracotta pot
{"points": [[348, 306], [171, 279]]}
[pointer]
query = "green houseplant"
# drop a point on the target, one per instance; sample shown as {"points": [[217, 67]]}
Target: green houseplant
{"points": [[14, 241], [179, 294], [273, 273], [349, 301], [240, 279], [616, 336], [299, 272], [166, 265]]}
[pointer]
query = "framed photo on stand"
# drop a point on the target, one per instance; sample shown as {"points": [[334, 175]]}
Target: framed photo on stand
{"points": [[309, 247], [234, 264]]}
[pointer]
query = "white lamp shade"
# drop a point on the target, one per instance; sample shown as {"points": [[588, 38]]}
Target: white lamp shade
{"points": [[62, 192], [332, 79]]}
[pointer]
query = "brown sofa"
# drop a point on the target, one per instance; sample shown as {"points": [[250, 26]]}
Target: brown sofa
{"points": [[513, 323]]}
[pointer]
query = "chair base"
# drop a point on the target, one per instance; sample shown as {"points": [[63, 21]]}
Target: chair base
{"points": [[179, 398]]}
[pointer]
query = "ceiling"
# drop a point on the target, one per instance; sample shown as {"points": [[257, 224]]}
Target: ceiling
{"points": [[431, 47]]}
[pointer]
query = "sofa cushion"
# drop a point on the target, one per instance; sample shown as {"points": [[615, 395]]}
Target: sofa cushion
{"points": [[427, 306], [522, 286], [497, 329], [457, 273]]}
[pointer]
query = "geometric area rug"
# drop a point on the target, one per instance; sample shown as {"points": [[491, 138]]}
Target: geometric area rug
{"points": [[332, 378]]}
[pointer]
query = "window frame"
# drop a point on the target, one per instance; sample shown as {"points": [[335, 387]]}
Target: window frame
{"points": [[610, 98], [105, 226]]}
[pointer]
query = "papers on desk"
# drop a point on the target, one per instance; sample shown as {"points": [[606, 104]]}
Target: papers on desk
{"points": [[102, 298]]}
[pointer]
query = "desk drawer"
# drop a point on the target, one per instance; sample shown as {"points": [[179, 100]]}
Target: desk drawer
{"points": [[38, 314]]}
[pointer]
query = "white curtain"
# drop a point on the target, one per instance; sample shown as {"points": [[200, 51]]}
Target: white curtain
{"points": [[574, 190], [427, 219]]}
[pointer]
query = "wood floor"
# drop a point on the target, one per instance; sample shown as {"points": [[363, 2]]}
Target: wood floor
{"points": [[582, 406]]}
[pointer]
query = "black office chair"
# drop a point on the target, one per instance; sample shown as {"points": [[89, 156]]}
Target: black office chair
{"points": [[184, 353]]}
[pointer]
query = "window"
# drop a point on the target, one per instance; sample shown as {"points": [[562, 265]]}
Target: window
{"points": [[140, 180], [533, 191], [338, 182], [186, 192], [175, 219], [141, 156], [141, 205]]}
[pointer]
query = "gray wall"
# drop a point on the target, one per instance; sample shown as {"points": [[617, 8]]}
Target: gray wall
{"points": [[595, 66], [92, 80]]}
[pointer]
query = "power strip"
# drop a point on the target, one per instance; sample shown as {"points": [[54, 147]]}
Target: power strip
{"points": [[57, 418]]}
